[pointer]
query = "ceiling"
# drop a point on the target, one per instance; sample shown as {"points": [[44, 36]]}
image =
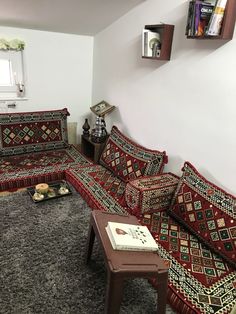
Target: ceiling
{"points": [[84, 17]]}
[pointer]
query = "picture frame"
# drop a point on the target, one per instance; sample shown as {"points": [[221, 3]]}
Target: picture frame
{"points": [[102, 108]]}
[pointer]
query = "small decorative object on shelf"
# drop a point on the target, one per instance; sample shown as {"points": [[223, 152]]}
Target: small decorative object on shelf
{"points": [[157, 41], [86, 128], [102, 108], [99, 133], [151, 43], [211, 20]]}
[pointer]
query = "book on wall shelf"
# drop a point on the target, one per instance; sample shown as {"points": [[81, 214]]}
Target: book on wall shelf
{"points": [[215, 22], [130, 237], [199, 16], [151, 43]]}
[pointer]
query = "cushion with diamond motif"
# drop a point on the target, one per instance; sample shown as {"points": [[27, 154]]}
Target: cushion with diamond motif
{"points": [[128, 160], [207, 211], [25, 132]]}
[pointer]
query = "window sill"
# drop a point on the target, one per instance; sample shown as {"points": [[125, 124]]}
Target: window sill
{"points": [[3, 99]]}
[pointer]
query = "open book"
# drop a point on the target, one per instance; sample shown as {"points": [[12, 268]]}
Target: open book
{"points": [[130, 237]]}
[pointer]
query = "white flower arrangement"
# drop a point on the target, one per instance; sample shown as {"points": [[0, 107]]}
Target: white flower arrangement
{"points": [[14, 44]]}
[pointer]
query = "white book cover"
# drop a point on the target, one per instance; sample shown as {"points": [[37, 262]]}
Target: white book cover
{"points": [[149, 39], [215, 23], [130, 237]]}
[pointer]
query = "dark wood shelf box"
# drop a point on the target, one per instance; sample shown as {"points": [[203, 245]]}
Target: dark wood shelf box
{"points": [[166, 32]]}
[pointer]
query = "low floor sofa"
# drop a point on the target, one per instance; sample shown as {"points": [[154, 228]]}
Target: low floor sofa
{"points": [[34, 148], [195, 233]]}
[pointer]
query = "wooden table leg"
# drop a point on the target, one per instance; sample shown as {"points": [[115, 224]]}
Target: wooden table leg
{"points": [[162, 282], [90, 242], [114, 293]]}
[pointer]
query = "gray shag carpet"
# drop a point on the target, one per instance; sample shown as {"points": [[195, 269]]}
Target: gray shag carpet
{"points": [[42, 266]]}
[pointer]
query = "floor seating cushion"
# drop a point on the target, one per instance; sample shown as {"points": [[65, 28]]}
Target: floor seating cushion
{"points": [[151, 194], [207, 211], [34, 148], [200, 280], [128, 160], [25, 132], [99, 187]]}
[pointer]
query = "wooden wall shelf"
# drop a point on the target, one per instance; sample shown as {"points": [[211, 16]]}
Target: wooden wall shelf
{"points": [[228, 23], [166, 32]]}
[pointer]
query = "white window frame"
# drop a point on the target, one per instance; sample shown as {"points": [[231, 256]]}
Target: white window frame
{"points": [[17, 72]]}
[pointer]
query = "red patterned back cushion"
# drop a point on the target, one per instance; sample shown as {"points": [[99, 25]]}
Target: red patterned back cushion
{"points": [[207, 211], [128, 160], [25, 132]]}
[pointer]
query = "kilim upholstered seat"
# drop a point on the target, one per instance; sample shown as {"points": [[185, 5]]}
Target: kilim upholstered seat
{"points": [[196, 235], [34, 148]]}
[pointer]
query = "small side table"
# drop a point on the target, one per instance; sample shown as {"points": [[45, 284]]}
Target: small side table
{"points": [[90, 149], [121, 265]]}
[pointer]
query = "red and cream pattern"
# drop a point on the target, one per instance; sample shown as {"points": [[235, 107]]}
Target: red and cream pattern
{"points": [[199, 280], [128, 160], [27, 169], [151, 194], [207, 211], [33, 131], [99, 187]]}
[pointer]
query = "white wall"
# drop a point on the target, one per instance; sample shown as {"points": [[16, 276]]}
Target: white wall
{"points": [[58, 72], [185, 106]]}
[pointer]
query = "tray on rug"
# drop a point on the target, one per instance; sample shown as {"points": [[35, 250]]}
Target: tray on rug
{"points": [[56, 189]]}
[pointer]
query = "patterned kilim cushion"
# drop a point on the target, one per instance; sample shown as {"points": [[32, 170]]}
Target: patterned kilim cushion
{"points": [[25, 132], [27, 169], [199, 280], [150, 194], [128, 160], [207, 211], [99, 187]]}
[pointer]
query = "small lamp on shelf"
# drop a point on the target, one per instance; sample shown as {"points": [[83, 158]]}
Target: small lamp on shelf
{"points": [[99, 133]]}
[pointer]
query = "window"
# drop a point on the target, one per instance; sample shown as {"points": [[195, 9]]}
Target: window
{"points": [[11, 72], [11, 68], [5, 72]]}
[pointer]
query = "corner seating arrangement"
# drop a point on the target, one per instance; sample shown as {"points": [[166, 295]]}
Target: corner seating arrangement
{"points": [[196, 234]]}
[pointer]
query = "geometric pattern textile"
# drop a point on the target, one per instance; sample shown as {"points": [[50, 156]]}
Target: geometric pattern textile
{"points": [[207, 211], [99, 187], [26, 169], [151, 194], [128, 160], [200, 281], [24, 132]]}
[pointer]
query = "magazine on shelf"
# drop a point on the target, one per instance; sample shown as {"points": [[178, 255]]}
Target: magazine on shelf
{"points": [[130, 237], [199, 16], [203, 12]]}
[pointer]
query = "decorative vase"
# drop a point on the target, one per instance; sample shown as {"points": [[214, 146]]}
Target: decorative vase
{"points": [[86, 128]]}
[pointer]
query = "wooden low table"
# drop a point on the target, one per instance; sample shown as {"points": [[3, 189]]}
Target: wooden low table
{"points": [[125, 264]]}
